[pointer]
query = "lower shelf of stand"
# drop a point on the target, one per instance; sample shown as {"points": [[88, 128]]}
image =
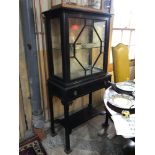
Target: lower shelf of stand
{"points": [[79, 117]]}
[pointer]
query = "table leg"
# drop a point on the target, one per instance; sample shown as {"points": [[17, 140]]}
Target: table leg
{"points": [[106, 123], [67, 128]]}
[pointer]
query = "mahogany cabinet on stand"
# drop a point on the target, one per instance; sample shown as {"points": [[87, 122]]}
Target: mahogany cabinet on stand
{"points": [[77, 46]]}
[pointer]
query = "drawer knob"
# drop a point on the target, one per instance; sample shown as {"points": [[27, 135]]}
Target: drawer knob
{"points": [[75, 92]]}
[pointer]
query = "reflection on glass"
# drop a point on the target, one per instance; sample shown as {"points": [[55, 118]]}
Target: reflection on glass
{"points": [[56, 46], [100, 28], [56, 2], [97, 58], [75, 69], [86, 47], [75, 26], [82, 3]]}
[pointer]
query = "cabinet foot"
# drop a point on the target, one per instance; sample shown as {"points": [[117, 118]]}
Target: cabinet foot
{"points": [[68, 151]]}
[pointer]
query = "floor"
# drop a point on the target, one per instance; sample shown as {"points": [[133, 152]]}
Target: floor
{"points": [[85, 140]]}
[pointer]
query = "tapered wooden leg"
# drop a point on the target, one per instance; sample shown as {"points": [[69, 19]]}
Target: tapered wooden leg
{"points": [[67, 128], [90, 100], [52, 116]]}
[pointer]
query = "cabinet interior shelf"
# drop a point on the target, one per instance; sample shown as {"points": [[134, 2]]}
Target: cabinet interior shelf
{"points": [[80, 46]]}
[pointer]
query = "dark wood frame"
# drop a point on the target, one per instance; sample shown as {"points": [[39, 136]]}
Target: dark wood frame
{"points": [[68, 90]]}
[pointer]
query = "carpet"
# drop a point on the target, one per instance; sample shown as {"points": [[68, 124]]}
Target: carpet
{"points": [[32, 146]]}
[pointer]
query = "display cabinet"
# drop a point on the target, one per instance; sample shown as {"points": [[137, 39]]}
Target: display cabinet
{"points": [[77, 46]]}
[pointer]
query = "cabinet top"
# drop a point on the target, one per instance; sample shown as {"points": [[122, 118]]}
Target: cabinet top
{"points": [[60, 8]]}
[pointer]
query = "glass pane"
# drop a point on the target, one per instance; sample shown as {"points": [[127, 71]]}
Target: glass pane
{"points": [[97, 59], [56, 46], [100, 28], [86, 48], [85, 3], [56, 2], [96, 4], [89, 38], [75, 69], [75, 26]]}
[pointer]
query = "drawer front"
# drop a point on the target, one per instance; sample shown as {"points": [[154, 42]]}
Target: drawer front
{"points": [[71, 93], [87, 88]]}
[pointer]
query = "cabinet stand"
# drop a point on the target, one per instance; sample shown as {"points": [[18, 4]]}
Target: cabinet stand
{"points": [[69, 122]]}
